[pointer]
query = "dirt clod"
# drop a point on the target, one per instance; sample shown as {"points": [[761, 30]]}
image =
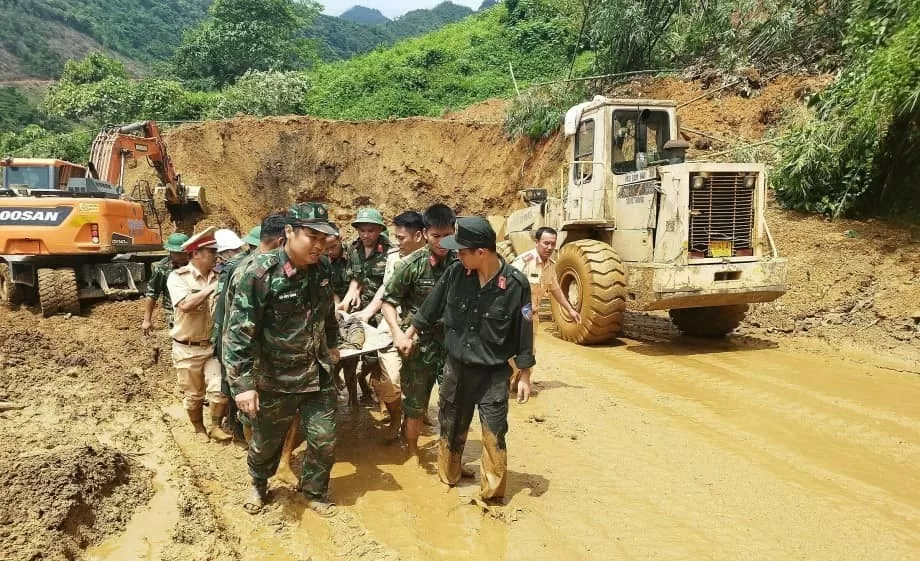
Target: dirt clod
{"points": [[66, 498]]}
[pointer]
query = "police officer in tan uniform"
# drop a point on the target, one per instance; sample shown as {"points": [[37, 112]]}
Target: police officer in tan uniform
{"points": [[539, 266], [191, 289]]}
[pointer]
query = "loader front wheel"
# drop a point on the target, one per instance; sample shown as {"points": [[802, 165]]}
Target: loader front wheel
{"points": [[709, 321], [11, 294], [593, 279]]}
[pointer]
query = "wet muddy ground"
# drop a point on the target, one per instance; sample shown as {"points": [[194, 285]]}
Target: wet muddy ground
{"points": [[654, 447]]}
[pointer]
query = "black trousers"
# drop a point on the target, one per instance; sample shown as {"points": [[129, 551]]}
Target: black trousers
{"points": [[464, 389]]}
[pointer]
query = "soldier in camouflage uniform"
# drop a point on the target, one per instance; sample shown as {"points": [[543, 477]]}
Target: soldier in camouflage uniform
{"points": [[365, 270], [411, 282], [156, 286], [260, 239], [336, 252], [283, 315]]}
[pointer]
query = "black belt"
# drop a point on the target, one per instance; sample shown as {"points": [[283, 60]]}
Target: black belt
{"points": [[194, 343]]}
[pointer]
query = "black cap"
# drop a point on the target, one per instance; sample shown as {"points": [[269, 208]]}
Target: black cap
{"points": [[472, 233]]}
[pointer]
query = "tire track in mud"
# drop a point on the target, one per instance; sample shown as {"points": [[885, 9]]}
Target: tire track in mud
{"points": [[686, 393], [819, 433]]}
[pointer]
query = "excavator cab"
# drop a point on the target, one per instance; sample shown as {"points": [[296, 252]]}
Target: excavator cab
{"points": [[37, 175]]}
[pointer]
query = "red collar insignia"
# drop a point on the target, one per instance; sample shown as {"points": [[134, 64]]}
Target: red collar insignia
{"points": [[469, 272], [502, 282], [380, 248], [432, 261], [288, 269]]}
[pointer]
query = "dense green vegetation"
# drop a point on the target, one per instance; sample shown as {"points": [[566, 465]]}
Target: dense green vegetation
{"points": [[343, 37], [243, 35], [450, 68], [338, 39], [33, 30], [856, 150], [859, 150]]}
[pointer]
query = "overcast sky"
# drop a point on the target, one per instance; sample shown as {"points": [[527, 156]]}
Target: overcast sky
{"points": [[390, 8]]}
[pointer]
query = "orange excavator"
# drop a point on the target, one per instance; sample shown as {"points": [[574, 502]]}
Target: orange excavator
{"points": [[70, 232]]}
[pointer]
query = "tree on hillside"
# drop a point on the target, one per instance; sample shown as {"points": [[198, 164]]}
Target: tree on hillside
{"points": [[242, 35], [92, 68]]}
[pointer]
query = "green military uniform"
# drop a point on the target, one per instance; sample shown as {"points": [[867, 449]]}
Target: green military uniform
{"points": [[159, 272], [226, 288], [411, 282], [156, 286], [340, 278], [369, 270], [283, 316], [484, 328]]}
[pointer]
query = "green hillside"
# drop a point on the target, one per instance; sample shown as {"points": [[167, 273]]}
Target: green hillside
{"points": [[345, 36], [38, 36], [453, 67]]}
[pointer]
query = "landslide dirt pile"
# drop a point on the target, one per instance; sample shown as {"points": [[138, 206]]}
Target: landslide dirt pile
{"points": [[252, 166], [56, 502], [849, 280]]}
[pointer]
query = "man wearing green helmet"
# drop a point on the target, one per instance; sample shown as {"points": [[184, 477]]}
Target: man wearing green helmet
{"points": [[366, 266], [156, 286]]}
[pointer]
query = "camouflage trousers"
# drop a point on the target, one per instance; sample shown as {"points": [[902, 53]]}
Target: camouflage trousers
{"points": [[463, 389], [419, 372], [271, 423]]}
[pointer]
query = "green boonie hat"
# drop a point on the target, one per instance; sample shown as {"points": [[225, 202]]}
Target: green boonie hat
{"points": [[174, 242], [312, 215], [252, 238], [472, 233], [369, 216]]}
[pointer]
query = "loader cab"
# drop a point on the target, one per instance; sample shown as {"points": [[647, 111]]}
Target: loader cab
{"points": [[614, 142]]}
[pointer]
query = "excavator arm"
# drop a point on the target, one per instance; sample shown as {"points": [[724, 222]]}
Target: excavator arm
{"points": [[114, 146]]}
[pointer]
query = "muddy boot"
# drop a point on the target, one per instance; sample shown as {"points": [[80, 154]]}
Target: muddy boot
{"points": [[218, 412], [195, 416], [392, 431]]}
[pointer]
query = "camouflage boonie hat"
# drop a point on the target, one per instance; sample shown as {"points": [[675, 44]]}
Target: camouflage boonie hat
{"points": [[174, 242], [313, 216], [369, 216]]}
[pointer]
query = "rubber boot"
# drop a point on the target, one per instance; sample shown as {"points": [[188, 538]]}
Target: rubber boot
{"points": [[197, 419], [218, 412], [395, 410]]}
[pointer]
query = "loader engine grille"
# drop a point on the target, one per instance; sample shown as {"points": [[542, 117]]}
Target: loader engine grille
{"points": [[722, 214]]}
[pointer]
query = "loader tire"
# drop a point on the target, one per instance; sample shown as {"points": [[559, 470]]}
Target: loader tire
{"points": [[11, 294], [506, 250], [57, 292], [593, 278], [709, 321]]}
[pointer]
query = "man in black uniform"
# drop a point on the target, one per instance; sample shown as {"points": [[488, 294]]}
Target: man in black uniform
{"points": [[487, 313]]}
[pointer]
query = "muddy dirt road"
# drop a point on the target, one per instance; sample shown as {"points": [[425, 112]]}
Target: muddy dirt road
{"points": [[656, 447]]}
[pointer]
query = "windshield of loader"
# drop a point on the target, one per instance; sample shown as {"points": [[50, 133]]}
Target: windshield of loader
{"points": [[638, 138], [33, 177]]}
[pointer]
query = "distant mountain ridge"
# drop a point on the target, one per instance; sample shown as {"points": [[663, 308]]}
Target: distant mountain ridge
{"points": [[343, 37], [363, 15]]}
